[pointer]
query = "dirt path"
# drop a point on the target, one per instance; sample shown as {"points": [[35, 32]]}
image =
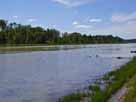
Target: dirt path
{"points": [[118, 95]]}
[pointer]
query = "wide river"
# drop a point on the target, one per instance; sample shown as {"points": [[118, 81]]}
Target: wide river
{"points": [[44, 73]]}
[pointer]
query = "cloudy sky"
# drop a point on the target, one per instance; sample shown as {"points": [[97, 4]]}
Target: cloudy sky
{"points": [[101, 17]]}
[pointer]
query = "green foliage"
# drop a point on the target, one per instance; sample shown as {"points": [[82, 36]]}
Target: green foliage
{"points": [[121, 76], [3, 24], [14, 33], [130, 95], [75, 97], [94, 88]]}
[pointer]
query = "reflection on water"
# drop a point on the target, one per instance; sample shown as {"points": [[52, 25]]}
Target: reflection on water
{"points": [[43, 76]]}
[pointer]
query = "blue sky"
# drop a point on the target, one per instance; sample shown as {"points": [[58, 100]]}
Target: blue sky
{"points": [[101, 17]]}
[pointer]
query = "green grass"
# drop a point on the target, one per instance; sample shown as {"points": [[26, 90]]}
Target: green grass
{"points": [[130, 95], [26, 48], [94, 88], [115, 80], [10, 45]]}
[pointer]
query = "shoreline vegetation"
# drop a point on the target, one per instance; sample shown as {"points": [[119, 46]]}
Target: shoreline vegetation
{"points": [[103, 88], [15, 49], [130, 93], [25, 45], [12, 34], [37, 47]]}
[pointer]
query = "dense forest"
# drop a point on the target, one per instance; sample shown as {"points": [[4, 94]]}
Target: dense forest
{"points": [[13, 33]]}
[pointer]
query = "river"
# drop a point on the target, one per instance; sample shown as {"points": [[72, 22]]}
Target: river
{"points": [[44, 73]]}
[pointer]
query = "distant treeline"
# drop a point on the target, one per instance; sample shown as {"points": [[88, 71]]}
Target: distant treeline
{"points": [[13, 33]]}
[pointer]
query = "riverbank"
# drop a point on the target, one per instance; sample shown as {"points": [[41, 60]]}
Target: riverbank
{"points": [[29, 48], [104, 87], [130, 94], [127, 93], [38, 44]]}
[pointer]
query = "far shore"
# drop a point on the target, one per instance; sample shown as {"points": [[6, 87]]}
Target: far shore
{"points": [[21, 45], [43, 47]]}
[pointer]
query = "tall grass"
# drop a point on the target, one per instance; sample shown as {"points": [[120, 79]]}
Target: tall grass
{"points": [[130, 95]]}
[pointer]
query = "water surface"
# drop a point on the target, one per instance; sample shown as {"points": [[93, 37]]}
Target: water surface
{"points": [[45, 74]]}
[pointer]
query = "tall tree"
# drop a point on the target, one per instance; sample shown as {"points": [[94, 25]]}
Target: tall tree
{"points": [[3, 24]]}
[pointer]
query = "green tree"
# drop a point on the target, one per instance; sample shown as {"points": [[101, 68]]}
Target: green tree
{"points": [[3, 24]]}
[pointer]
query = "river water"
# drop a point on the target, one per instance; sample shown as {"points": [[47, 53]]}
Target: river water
{"points": [[50, 72]]}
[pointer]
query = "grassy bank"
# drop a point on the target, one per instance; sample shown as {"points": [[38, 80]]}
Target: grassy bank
{"points": [[14, 45], [26, 48], [130, 95], [41, 44], [104, 87]]}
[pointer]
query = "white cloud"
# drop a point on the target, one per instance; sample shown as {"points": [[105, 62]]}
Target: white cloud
{"points": [[95, 20], [83, 26], [54, 26], [123, 17], [123, 25], [126, 30], [72, 3], [32, 20], [75, 23], [15, 16]]}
